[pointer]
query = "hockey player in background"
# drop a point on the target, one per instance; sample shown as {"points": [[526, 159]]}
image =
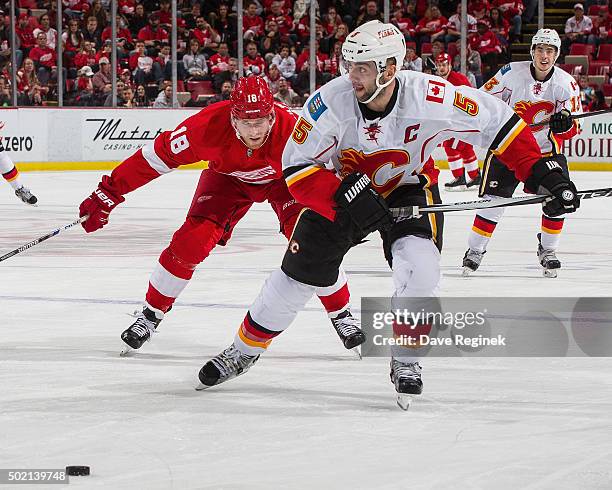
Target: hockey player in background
{"points": [[461, 157], [536, 90], [377, 126], [11, 175], [243, 140]]}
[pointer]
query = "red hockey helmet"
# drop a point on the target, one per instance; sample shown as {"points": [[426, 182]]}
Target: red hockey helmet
{"points": [[251, 98], [442, 57]]}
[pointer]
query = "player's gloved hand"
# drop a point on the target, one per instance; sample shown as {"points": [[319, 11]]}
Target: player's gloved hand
{"points": [[561, 121], [549, 178], [365, 207], [99, 205]]}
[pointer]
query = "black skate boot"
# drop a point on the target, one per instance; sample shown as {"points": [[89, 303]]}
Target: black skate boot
{"points": [[142, 329], [475, 182], [406, 376], [348, 329], [26, 196], [548, 259], [457, 184], [225, 366], [471, 261]]}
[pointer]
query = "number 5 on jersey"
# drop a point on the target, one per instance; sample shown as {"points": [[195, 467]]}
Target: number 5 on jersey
{"points": [[300, 131]]}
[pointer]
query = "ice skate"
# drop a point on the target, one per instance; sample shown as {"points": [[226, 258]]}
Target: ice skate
{"points": [[475, 182], [348, 329], [26, 195], [406, 376], [225, 366], [141, 330], [471, 261], [457, 184], [548, 259]]}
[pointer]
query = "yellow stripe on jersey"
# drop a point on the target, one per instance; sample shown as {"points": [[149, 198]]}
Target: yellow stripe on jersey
{"points": [[512, 134], [305, 172]]}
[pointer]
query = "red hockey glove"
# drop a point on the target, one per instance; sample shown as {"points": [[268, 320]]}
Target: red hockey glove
{"points": [[99, 205]]}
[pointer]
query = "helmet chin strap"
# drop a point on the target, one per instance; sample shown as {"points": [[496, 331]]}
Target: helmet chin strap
{"points": [[379, 87]]}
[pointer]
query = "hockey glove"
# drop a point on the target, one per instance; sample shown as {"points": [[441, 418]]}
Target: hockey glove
{"points": [[99, 205], [561, 121], [548, 177], [364, 206]]}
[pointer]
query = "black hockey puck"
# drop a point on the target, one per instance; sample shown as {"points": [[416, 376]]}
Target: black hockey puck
{"points": [[77, 470]]}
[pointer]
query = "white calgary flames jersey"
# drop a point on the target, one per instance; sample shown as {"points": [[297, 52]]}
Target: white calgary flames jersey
{"points": [[393, 149], [535, 101]]}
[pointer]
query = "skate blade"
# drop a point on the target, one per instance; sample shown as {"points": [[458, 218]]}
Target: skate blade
{"points": [[357, 352], [404, 400], [552, 273], [459, 188], [202, 387], [125, 350], [467, 272]]}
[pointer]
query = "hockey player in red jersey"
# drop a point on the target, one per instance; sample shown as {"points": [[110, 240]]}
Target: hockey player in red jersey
{"points": [[243, 140], [460, 155]]}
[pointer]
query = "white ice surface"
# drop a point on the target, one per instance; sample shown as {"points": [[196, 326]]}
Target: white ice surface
{"points": [[308, 415]]}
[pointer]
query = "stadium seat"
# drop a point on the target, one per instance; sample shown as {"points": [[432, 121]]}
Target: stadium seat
{"points": [[426, 48], [597, 80], [581, 49], [594, 10], [198, 88], [605, 52], [598, 67], [607, 89], [411, 44], [582, 60]]}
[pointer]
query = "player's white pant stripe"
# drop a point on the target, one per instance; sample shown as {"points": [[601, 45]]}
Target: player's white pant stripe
{"points": [[166, 283], [148, 152]]}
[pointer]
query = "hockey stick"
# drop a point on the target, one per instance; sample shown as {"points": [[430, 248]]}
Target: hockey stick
{"points": [[417, 211], [574, 116], [57, 231]]}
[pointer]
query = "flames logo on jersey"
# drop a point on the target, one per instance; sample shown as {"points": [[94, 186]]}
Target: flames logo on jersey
{"points": [[385, 167], [530, 110]]}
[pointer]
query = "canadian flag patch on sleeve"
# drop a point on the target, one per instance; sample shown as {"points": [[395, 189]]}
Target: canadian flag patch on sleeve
{"points": [[435, 91]]}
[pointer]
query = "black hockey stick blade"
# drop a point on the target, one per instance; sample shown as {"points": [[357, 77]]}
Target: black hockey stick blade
{"points": [[51, 234], [416, 211], [575, 116]]}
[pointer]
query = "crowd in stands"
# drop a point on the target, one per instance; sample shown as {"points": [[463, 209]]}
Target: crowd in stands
{"points": [[276, 45]]}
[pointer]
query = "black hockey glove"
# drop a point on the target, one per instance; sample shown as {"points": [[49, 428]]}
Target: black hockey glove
{"points": [[363, 205], [561, 121], [548, 177]]}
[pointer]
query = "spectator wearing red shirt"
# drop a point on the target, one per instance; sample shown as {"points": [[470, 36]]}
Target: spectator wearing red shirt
{"points": [[25, 34], [512, 10], [486, 43], [44, 58], [284, 22], [86, 56], [252, 62], [253, 24], [72, 40], [453, 28], [323, 70], [152, 34], [127, 7], [208, 37], [478, 8], [75, 9], [331, 20], [219, 61], [499, 26], [328, 43], [404, 24], [431, 27], [122, 32], [165, 14]]}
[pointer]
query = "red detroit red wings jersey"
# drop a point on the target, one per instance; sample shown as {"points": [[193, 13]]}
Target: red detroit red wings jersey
{"points": [[208, 136], [458, 79]]}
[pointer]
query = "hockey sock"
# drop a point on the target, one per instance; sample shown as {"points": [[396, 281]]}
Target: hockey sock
{"points": [[12, 177], [335, 298], [454, 162], [470, 162], [278, 303], [551, 232], [482, 229], [190, 245]]}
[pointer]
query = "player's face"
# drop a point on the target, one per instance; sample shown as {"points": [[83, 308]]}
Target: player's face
{"points": [[363, 77], [443, 68], [253, 131], [544, 57]]}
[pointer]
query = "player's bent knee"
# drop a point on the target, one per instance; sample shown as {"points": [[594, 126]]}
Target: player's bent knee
{"points": [[416, 267], [492, 214], [194, 240]]}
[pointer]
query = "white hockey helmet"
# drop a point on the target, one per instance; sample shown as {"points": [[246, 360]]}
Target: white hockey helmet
{"points": [[546, 36], [375, 41]]}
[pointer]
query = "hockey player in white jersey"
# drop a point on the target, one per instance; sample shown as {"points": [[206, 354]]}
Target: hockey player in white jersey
{"points": [[377, 126], [536, 91]]}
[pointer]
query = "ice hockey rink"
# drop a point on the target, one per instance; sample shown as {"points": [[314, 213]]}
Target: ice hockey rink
{"points": [[309, 414]]}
